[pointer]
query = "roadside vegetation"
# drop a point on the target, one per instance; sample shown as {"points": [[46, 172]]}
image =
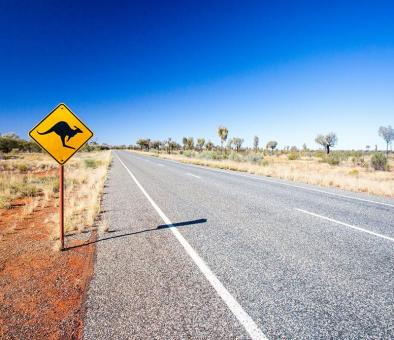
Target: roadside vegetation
{"points": [[42, 289], [370, 171], [31, 180]]}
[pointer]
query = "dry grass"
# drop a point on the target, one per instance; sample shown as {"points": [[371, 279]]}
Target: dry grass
{"points": [[28, 175], [347, 176], [85, 177], [33, 179], [103, 227]]}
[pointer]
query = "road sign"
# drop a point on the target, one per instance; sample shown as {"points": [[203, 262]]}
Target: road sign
{"points": [[61, 133]]}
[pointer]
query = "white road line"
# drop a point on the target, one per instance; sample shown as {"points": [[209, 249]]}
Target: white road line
{"points": [[346, 225], [246, 321], [188, 173], [159, 164], [281, 183]]}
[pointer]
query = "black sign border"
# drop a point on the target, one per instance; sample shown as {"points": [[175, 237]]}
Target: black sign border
{"points": [[84, 125]]}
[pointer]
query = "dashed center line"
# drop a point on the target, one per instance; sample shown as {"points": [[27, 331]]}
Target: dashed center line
{"points": [[190, 174], [346, 225]]}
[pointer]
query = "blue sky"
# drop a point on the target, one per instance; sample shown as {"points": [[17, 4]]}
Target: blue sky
{"points": [[281, 70]]}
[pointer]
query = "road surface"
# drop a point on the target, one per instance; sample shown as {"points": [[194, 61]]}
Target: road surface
{"points": [[194, 252]]}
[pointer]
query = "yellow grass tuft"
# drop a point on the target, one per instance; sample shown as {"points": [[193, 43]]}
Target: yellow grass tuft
{"points": [[84, 186]]}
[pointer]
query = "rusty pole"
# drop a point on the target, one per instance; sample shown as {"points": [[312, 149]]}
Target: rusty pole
{"points": [[61, 204]]}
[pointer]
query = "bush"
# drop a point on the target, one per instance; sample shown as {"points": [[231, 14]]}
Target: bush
{"points": [[233, 156], [254, 158], [379, 161], [353, 172], [90, 163], [188, 153], [210, 155], [332, 159], [358, 160], [10, 142], [320, 154], [22, 167], [4, 203], [23, 190], [293, 156], [264, 162]]}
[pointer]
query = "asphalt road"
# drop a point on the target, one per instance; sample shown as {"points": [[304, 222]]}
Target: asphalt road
{"points": [[246, 257]]}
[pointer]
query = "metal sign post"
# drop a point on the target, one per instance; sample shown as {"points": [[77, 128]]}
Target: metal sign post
{"points": [[61, 133], [61, 205]]}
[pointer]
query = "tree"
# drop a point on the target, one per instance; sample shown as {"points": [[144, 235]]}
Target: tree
{"points": [[256, 143], [147, 144], [140, 143], [143, 143], [222, 133], [272, 145], [184, 142], [209, 145], [156, 145], [387, 133], [190, 143], [174, 145], [327, 141], [237, 143], [10, 141], [229, 145], [304, 147], [168, 145], [200, 143]]}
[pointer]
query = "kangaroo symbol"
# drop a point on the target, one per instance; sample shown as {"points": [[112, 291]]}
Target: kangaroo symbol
{"points": [[63, 130]]}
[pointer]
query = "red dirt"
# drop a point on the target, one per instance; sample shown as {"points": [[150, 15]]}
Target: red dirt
{"points": [[42, 290]]}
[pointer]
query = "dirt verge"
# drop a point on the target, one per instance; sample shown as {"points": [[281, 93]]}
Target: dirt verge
{"points": [[42, 290]]}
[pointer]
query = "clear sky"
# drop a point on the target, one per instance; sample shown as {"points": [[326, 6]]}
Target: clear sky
{"points": [[284, 70]]}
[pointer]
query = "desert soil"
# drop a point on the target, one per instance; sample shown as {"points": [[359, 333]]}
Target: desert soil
{"points": [[41, 289]]}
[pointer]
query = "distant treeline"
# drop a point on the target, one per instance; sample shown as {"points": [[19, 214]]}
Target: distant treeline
{"points": [[11, 142], [327, 141]]}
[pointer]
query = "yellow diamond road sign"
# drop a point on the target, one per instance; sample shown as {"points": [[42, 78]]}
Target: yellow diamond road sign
{"points": [[61, 133]]}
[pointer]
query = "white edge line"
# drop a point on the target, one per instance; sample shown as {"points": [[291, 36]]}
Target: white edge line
{"points": [[229, 172], [346, 224], [188, 173], [246, 321]]}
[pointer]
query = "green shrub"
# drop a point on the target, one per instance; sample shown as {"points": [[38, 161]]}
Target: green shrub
{"points": [[22, 167], [4, 203], [264, 162], [254, 158], [332, 159], [293, 156], [379, 161], [23, 190], [90, 163], [233, 156], [353, 172], [188, 153], [210, 155]]}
